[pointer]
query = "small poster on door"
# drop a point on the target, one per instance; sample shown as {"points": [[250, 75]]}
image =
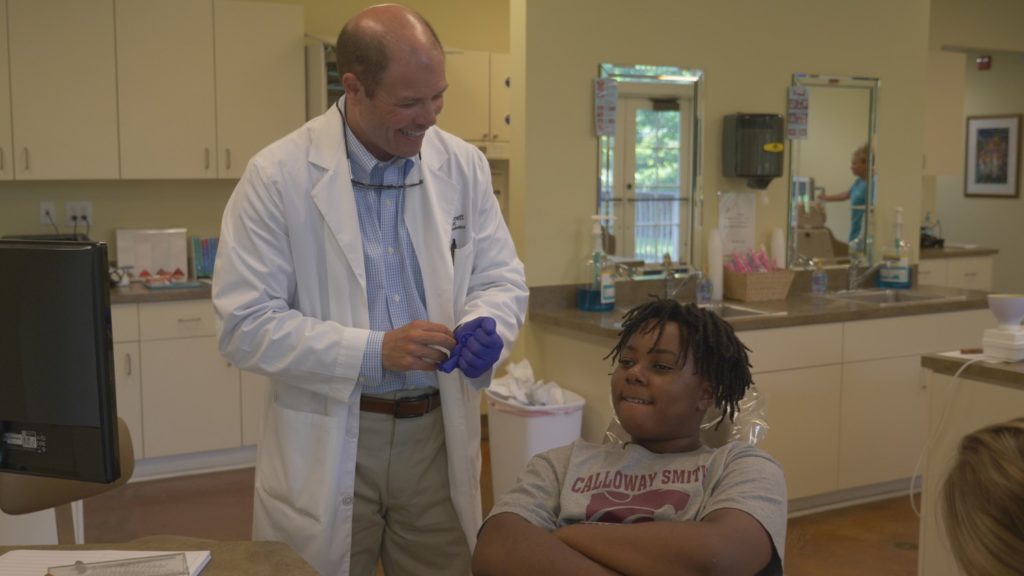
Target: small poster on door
{"points": [[797, 111], [606, 96]]}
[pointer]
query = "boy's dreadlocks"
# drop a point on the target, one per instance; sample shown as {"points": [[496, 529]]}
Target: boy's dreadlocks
{"points": [[719, 356]]}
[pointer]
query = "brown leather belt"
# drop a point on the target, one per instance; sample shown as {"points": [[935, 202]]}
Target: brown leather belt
{"points": [[409, 407]]}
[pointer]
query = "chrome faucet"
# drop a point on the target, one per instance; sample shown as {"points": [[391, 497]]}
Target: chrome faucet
{"points": [[856, 274]]}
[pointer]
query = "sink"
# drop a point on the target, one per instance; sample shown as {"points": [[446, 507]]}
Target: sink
{"points": [[884, 298], [727, 311]]}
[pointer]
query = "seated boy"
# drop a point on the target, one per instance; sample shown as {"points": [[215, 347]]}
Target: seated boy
{"points": [[663, 503]]}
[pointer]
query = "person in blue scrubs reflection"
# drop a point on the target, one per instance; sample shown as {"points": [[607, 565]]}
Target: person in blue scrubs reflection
{"points": [[857, 195]]}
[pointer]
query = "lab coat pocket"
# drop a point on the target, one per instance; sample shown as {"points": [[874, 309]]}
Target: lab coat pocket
{"points": [[298, 460], [462, 261]]}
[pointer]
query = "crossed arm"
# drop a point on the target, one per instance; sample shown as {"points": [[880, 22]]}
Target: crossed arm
{"points": [[726, 541]]}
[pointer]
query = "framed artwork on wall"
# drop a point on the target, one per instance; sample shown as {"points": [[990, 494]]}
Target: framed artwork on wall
{"points": [[993, 154]]}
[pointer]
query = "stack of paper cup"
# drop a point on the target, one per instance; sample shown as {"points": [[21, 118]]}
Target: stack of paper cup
{"points": [[715, 261], [778, 248]]}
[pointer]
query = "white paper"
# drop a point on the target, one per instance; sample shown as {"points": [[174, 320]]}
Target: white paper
{"points": [[606, 96], [37, 562], [737, 213]]}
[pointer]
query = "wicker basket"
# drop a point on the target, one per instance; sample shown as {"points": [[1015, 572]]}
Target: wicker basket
{"points": [[757, 286]]}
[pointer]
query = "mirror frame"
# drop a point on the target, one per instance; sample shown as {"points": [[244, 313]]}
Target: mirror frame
{"points": [[864, 82], [663, 75]]}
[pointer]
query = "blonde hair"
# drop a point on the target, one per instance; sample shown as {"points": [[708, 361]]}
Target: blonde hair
{"points": [[983, 501]]}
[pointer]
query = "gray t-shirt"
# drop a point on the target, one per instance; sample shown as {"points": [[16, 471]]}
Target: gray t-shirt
{"points": [[586, 482]]}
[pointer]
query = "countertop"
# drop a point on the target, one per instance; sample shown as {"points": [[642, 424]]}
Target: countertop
{"points": [[1005, 374], [136, 293], [554, 305], [956, 252], [226, 558]]}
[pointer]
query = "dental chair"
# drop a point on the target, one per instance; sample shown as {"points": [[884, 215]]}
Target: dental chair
{"points": [[23, 494]]}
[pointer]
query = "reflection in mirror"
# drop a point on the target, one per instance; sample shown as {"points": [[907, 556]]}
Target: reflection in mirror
{"points": [[649, 168], [830, 218]]}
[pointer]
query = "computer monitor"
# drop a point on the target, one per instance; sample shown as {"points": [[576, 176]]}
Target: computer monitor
{"points": [[58, 414]]}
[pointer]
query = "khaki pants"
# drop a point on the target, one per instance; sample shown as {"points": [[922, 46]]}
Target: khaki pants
{"points": [[403, 512]]}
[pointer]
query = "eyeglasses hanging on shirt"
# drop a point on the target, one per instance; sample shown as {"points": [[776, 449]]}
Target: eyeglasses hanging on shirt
{"points": [[344, 122]]}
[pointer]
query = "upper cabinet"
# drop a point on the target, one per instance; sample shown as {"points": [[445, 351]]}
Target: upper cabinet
{"points": [[477, 102], [6, 167], [260, 78], [145, 89], [62, 91], [166, 95], [203, 85]]}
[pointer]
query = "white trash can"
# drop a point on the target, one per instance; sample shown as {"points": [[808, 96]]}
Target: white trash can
{"points": [[517, 432]]}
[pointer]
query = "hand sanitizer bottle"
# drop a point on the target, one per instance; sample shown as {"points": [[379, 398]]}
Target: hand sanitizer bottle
{"points": [[704, 290], [599, 293], [819, 278], [895, 270]]}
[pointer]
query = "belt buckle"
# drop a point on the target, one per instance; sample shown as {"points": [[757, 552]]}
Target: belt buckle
{"points": [[410, 400]]}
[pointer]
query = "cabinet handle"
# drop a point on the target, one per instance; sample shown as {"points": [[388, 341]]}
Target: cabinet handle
{"points": [[970, 274], [190, 319], [128, 364], [26, 158], [227, 157], [1, 159], [207, 152]]}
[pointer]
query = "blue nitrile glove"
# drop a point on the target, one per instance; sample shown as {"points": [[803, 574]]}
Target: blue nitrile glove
{"points": [[477, 349]]}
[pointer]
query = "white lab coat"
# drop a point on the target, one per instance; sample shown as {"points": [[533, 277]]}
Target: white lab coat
{"points": [[290, 289]]}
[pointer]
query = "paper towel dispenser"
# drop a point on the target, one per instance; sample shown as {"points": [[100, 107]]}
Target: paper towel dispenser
{"points": [[752, 147]]}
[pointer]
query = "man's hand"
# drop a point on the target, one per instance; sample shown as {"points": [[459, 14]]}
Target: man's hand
{"points": [[416, 346], [478, 348]]}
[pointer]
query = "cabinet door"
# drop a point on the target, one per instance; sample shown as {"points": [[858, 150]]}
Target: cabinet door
{"points": [[260, 93], [255, 388], [931, 272], [466, 102], [6, 165], [501, 97], [803, 426], [883, 421], [190, 397], [128, 384], [63, 89], [165, 80], [971, 273]]}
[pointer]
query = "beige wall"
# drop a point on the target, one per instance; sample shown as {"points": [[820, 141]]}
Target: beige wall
{"points": [[748, 60], [466, 24], [984, 24], [989, 222]]}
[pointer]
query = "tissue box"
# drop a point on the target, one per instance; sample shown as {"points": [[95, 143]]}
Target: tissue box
{"points": [[757, 286]]}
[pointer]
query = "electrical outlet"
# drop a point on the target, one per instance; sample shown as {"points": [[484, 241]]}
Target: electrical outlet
{"points": [[78, 213], [47, 210]]}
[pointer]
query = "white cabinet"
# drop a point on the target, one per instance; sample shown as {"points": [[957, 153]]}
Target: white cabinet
{"points": [[63, 100], [260, 78], [6, 164], [882, 422], [128, 371], [974, 272], [166, 89], [477, 102], [193, 107], [803, 408], [191, 397], [884, 406]]}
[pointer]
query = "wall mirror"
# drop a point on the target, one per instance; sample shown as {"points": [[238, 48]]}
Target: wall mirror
{"points": [[649, 163], [832, 183]]}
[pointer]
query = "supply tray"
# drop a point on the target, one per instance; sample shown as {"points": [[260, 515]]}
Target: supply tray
{"points": [[757, 286]]}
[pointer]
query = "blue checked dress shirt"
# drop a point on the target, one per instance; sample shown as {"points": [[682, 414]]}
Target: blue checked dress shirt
{"points": [[394, 284]]}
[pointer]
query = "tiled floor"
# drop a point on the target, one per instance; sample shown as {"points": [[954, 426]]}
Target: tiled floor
{"points": [[879, 538]]}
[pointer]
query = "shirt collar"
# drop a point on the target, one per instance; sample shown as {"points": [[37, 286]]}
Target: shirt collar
{"points": [[362, 162]]}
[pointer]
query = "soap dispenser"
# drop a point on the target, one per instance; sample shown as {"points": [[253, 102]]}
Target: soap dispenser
{"points": [[895, 270], [598, 295]]}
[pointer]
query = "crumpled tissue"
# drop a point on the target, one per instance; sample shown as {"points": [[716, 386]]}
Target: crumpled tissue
{"points": [[518, 386]]}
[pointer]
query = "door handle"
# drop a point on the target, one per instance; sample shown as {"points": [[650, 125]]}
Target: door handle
{"points": [[227, 157], [128, 364]]}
